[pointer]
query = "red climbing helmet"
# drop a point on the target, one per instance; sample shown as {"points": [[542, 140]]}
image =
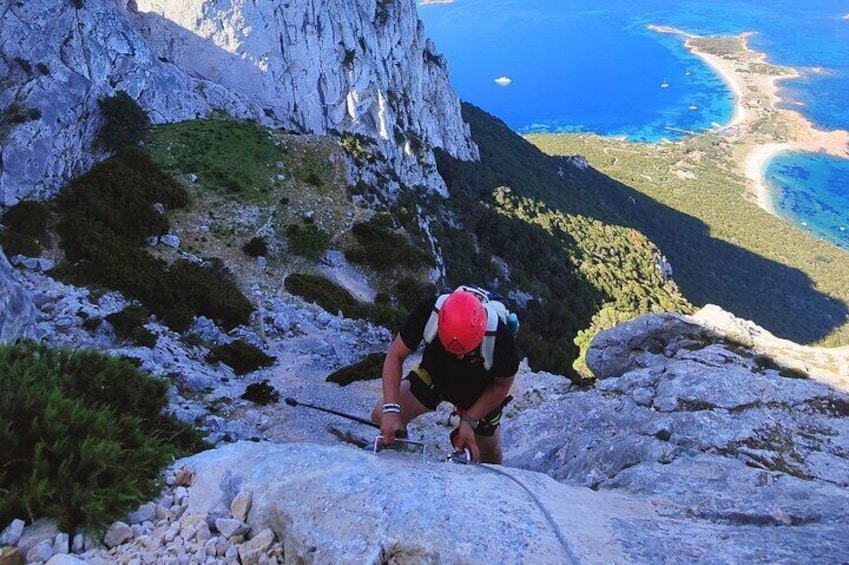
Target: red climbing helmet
{"points": [[462, 322]]}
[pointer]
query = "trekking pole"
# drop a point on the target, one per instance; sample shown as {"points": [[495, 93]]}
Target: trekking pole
{"points": [[292, 402]]}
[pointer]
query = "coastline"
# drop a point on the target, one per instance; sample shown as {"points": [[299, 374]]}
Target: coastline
{"points": [[759, 129]]}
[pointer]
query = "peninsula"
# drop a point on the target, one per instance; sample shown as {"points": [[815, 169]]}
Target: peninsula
{"points": [[704, 200], [759, 129]]}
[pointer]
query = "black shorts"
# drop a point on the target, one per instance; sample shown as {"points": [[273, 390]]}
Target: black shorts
{"points": [[425, 392]]}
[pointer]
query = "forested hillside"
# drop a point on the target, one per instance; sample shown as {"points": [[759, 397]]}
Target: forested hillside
{"points": [[724, 249]]}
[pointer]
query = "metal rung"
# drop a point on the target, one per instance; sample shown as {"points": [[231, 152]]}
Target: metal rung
{"points": [[378, 442]]}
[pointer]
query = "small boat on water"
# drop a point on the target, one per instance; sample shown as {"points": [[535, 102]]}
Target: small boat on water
{"points": [[693, 107], [664, 84]]}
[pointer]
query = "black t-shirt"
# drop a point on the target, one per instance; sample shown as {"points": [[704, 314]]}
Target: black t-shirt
{"points": [[460, 381]]}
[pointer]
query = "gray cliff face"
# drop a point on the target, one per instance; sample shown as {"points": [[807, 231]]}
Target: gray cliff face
{"points": [[17, 314], [59, 61], [317, 65], [309, 66]]}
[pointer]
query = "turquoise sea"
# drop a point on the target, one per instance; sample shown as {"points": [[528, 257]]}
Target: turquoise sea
{"points": [[593, 66]]}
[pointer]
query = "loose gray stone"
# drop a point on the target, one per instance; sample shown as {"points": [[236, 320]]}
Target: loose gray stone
{"points": [[231, 527], [62, 543], [65, 559], [241, 505], [39, 531], [118, 533], [41, 552], [12, 533], [252, 550], [145, 513], [170, 240]]}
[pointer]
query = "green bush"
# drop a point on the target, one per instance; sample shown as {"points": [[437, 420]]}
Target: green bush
{"points": [[410, 292], [104, 220], [261, 393], [125, 122], [28, 218], [334, 298], [368, 369], [25, 230], [322, 291], [129, 324], [383, 249], [256, 247], [309, 241], [240, 356], [84, 436]]}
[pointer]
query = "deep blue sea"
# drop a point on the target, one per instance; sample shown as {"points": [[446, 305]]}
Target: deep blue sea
{"points": [[593, 66]]}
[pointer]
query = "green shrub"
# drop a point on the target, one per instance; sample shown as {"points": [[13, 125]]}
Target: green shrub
{"points": [[256, 247], [104, 220], [334, 298], [410, 292], [43, 68], [384, 315], [26, 229], [261, 393], [240, 356], [383, 249], [359, 148], [24, 64], [322, 291], [129, 324], [16, 113], [368, 369], [84, 436], [309, 241], [91, 324], [28, 218], [125, 122]]}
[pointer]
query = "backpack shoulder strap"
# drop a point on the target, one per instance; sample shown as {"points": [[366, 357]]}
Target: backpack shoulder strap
{"points": [[432, 325], [488, 343]]}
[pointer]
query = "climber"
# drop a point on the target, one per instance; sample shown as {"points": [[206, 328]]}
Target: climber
{"points": [[471, 365]]}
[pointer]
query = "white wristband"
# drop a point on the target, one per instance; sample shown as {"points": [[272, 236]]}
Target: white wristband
{"points": [[391, 408]]}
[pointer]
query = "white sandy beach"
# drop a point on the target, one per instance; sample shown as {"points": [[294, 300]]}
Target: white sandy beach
{"points": [[755, 168], [757, 101]]}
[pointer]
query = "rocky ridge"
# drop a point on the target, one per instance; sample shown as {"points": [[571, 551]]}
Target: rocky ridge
{"points": [[362, 67], [689, 445]]}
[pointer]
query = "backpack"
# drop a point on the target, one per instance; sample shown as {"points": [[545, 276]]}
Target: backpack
{"points": [[495, 310]]}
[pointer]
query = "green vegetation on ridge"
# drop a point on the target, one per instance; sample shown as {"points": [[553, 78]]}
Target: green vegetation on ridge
{"points": [[529, 223], [724, 249]]}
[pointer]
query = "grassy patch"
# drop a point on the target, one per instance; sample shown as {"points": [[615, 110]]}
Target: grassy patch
{"points": [[229, 156]]}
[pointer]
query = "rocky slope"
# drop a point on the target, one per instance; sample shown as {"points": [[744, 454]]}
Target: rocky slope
{"points": [[363, 67], [690, 446], [695, 444]]}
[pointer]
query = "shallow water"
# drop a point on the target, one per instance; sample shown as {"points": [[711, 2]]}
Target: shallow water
{"points": [[593, 66]]}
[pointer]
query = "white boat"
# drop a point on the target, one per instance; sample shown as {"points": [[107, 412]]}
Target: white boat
{"points": [[503, 81]]}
